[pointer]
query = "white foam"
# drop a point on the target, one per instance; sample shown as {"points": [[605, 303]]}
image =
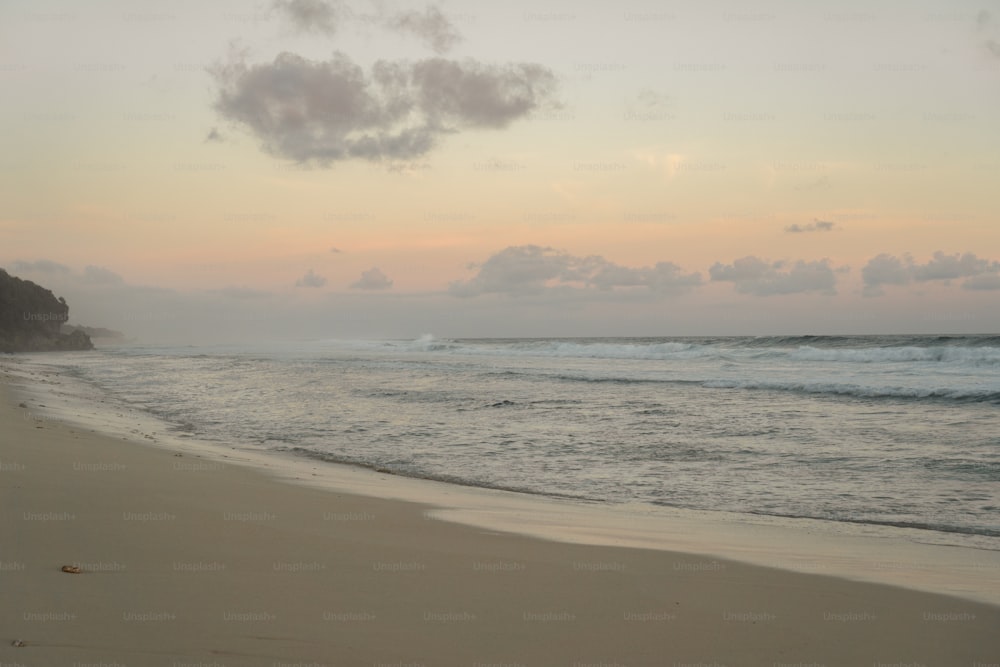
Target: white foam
{"points": [[875, 355], [955, 354]]}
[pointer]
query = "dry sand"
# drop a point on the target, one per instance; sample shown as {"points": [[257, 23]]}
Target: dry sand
{"points": [[188, 561]]}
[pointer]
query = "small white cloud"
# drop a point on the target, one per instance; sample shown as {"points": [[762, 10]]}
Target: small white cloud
{"points": [[814, 226], [310, 279], [327, 17], [372, 279], [431, 26], [322, 16]]}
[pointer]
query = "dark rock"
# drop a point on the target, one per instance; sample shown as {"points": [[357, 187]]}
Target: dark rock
{"points": [[31, 318]]}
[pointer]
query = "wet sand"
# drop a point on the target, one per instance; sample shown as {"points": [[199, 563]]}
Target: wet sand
{"points": [[191, 561]]}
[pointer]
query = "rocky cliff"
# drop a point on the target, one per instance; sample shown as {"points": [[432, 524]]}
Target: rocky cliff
{"points": [[31, 318]]}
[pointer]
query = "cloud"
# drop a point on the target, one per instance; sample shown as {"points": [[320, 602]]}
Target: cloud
{"points": [[326, 17], [431, 26], [41, 266], [948, 267], [98, 275], [372, 279], [887, 269], [982, 18], [469, 93], [327, 111], [814, 226], [532, 269], [663, 277], [310, 279], [752, 275], [320, 16], [514, 270]]}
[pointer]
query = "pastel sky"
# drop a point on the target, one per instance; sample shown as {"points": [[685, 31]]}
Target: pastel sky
{"points": [[331, 168]]}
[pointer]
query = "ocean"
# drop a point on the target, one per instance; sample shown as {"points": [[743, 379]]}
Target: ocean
{"points": [[886, 431]]}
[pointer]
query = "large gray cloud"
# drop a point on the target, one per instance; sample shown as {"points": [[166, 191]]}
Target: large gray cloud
{"points": [[752, 275], [885, 269], [326, 111], [532, 269]]}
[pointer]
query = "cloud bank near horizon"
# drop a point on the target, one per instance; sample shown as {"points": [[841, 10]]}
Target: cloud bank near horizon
{"points": [[531, 290], [528, 270]]}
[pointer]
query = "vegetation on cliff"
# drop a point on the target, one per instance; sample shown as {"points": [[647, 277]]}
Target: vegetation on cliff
{"points": [[31, 318]]}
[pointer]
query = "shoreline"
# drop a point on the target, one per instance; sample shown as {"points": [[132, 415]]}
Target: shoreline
{"points": [[190, 560], [856, 552]]}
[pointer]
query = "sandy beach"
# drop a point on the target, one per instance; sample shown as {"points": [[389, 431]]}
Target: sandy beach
{"points": [[190, 561]]}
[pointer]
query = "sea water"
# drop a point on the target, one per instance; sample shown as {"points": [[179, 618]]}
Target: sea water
{"points": [[891, 431]]}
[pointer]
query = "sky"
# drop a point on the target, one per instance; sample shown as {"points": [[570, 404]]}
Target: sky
{"points": [[243, 169]]}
